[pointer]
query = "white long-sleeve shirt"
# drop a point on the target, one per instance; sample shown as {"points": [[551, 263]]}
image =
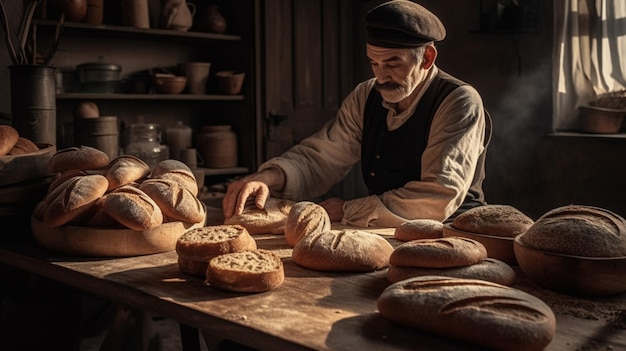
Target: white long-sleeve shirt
{"points": [[455, 143]]}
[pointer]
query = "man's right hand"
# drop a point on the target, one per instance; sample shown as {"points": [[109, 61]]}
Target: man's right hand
{"points": [[256, 185]]}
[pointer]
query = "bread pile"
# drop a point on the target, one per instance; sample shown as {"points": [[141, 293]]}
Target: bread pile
{"points": [[11, 143], [269, 220], [91, 190], [489, 315], [451, 256]]}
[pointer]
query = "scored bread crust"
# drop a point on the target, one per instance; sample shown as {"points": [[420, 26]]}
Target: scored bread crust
{"points": [[305, 218], [125, 169], [175, 201], [8, 138], [347, 250], [446, 252], [482, 313], [578, 230], [496, 220], [491, 270], [204, 243], [419, 229], [247, 271], [23, 146], [184, 178], [81, 158], [133, 208], [72, 198], [269, 220]]}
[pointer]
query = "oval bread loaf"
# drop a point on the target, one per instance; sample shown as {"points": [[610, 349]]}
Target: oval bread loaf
{"points": [[23, 146], [247, 271], [347, 250], [419, 229], [125, 169], [177, 171], [491, 270], [578, 230], [478, 312], [8, 138], [80, 158], [175, 201], [451, 251], [133, 208], [269, 220], [73, 197], [305, 218], [496, 220]]}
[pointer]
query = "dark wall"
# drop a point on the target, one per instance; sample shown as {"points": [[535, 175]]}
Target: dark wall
{"points": [[526, 167]]}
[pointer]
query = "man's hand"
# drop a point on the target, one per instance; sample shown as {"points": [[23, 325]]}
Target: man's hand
{"points": [[257, 185], [334, 207]]}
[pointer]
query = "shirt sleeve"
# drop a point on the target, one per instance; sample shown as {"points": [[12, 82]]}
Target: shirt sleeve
{"points": [[449, 161]]}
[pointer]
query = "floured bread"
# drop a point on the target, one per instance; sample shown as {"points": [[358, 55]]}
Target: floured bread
{"points": [[419, 229], [133, 208], [305, 218], [496, 220], [269, 220], [125, 169], [477, 312], [247, 271], [452, 251]]}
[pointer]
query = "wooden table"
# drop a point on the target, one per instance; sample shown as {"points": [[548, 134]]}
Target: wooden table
{"points": [[309, 311]]}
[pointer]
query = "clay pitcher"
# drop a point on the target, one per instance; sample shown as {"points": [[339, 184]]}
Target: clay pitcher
{"points": [[177, 15]]}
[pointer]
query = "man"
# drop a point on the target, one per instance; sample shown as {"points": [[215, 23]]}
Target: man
{"points": [[421, 135]]}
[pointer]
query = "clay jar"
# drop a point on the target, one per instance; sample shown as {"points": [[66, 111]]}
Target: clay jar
{"points": [[217, 146], [211, 20], [177, 15]]}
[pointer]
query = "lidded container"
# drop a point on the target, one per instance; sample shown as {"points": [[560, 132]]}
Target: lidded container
{"points": [[144, 142], [218, 146], [178, 138]]}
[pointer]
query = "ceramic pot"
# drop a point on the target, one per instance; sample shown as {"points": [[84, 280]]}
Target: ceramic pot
{"points": [[212, 20], [177, 15]]}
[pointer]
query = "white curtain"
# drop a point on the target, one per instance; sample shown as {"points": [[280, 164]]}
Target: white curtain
{"points": [[590, 55]]}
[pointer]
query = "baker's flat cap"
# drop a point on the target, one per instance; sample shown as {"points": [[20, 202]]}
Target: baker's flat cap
{"points": [[402, 24]]}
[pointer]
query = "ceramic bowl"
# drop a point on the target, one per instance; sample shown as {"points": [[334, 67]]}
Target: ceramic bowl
{"points": [[170, 84], [573, 275], [230, 82], [601, 120], [498, 247]]}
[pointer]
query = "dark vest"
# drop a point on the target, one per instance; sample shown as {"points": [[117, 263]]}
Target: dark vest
{"points": [[390, 159]]}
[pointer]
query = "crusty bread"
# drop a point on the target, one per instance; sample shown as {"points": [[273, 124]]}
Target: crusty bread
{"points": [[346, 250], [96, 216], [496, 220], [478, 312], [175, 201], [305, 218], [491, 270], [23, 146], [247, 271], [419, 229], [133, 208], [177, 171], [125, 169], [269, 220], [60, 178], [578, 230], [81, 158], [8, 138], [74, 197], [169, 165], [196, 247], [447, 252]]}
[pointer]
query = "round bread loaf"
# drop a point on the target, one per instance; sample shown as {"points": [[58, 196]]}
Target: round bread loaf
{"points": [[81, 158], [175, 201], [269, 220], [346, 250], [419, 229], [496, 220], [133, 208], [23, 146], [452, 251], [491, 270], [60, 178], [73, 197], [8, 138], [578, 230], [169, 165], [196, 247], [305, 218], [247, 271], [125, 169], [477, 312]]}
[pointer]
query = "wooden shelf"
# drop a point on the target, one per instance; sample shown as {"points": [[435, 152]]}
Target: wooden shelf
{"points": [[169, 97], [224, 171]]}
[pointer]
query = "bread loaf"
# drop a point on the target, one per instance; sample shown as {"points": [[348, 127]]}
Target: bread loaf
{"points": [[196, 247], [23, 146], [74, 197], [125, 169], [478, 312], [133, 208], [438, 253], [8, 138], [80, 158], [578, 230], [178, 172], [305, 218], [496, 220], [269, 220], [490, 269], [60, 178], [419, 229], [95, 216], [175, 201], [346, 250], [248, 271]]}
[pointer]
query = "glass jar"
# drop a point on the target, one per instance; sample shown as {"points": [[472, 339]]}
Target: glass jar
{"points": [[178, 138], [145, 143]]}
